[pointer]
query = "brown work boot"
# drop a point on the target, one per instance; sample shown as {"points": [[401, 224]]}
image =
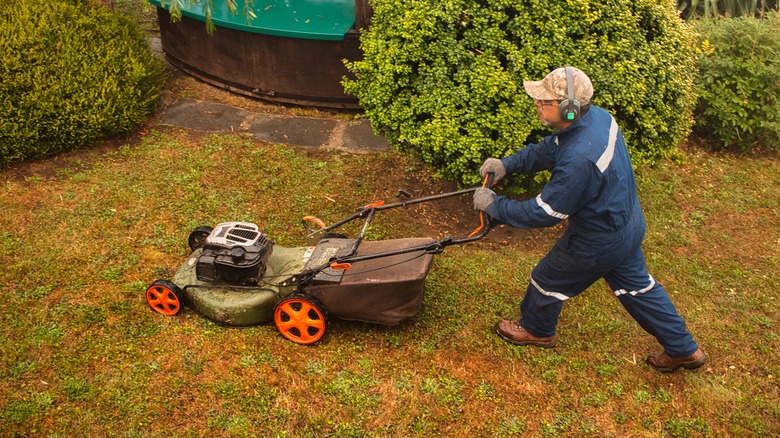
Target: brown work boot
{"points": [[665, 364], [514, 333]]}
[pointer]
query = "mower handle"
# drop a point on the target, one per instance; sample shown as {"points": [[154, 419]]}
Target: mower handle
{"points": [[484, 218], [368, 212], [364, 210]]}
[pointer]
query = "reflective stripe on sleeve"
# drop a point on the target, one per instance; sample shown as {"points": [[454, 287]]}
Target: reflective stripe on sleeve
{"points": [[609, 152], [547, 209]]}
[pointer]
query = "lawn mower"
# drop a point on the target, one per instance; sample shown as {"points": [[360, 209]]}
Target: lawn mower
{"points": [[236, 276]]}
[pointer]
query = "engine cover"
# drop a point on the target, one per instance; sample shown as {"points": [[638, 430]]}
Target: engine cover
{"points": [[235, 252]]}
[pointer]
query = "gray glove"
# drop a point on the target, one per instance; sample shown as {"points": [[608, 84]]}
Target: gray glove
{"points": [[494, 166], [483, 198]]}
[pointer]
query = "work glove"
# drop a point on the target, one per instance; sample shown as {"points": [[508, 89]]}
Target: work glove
{"points": [[494, 166], [483, 198]]}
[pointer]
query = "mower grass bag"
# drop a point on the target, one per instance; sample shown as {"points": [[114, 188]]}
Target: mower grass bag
{"points": [[384, 290]]}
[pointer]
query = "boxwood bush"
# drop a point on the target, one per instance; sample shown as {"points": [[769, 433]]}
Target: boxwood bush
{"points": [[72, 74], [443, 79], [739, 83]]}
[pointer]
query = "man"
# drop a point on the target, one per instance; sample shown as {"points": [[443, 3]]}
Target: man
{"points": [[592, 185]]}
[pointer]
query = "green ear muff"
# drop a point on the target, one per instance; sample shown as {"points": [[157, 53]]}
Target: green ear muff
{"points": [[569, 108]]}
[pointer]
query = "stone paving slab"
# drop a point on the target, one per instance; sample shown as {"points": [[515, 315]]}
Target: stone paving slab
{"points": [[296, 131], [204, 116], [359, 136], [348, 135]]}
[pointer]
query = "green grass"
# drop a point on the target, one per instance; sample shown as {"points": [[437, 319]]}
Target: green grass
{"points": [[81, 353]]}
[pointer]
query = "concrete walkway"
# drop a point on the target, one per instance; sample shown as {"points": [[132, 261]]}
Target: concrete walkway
{"points": [[347, 135]]}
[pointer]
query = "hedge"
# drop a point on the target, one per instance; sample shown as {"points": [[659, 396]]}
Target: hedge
{"points": [[739, 83], [72, 74], [443, 80]]}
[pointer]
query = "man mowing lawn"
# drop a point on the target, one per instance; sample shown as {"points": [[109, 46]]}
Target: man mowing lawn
{"points": [[592, 185]]}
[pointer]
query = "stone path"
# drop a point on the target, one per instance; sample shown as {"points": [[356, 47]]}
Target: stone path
{"points": [[354, 136]]}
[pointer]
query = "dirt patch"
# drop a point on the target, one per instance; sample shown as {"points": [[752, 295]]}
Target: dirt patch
{"points": [[75, 160], [457, 218]]}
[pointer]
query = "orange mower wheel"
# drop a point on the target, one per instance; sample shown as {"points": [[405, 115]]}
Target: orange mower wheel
{"points": [[164, 297], [301, 319]]}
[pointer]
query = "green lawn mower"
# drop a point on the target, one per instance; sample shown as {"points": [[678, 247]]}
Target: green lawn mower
{"points": [[236, 276]]}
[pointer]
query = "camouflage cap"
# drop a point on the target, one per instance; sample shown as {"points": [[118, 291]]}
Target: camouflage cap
{"points": [[553, 86]]}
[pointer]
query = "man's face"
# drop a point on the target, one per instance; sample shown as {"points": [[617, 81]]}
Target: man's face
{"points": [[548, 112]]}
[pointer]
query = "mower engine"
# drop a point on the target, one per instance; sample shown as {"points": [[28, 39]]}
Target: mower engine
{"points": [[235, 252]]}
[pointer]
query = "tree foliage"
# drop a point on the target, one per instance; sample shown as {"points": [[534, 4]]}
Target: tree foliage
{"points": [[174, 7]]}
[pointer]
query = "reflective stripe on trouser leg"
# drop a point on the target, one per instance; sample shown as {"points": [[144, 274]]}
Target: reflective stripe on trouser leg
{"points": [[539, 312], [649, 304], [558, 277]]}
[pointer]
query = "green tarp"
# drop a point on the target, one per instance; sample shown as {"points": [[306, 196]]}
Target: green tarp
{"points": [[308, 19]]}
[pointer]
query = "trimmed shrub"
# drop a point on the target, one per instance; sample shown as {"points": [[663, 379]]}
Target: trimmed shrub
{"points": [[739, 83], [443, 79], [72, 74]]}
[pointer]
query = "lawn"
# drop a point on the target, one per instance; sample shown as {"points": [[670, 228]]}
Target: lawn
{"points": [[81, 353]]}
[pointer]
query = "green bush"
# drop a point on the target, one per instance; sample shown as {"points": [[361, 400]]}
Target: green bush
{"points": [[72, 74], [444, 79], [739, 83]]}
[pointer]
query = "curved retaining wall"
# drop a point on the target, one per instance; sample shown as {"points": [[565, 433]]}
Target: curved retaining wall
{"points": [[295, 69]]}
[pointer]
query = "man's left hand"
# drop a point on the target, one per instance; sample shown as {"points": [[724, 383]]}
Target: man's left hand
{"points": [[483, 198]]}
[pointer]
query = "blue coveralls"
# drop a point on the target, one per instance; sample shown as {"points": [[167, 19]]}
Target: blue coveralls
{"points": [[592, 185]]}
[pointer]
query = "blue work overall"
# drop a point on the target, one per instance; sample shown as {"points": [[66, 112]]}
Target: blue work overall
{"points": [[592, 185]]}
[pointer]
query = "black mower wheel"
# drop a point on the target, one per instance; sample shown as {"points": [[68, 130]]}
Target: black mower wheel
{"points": [[198, 237], [301, 319], [164, 297]]}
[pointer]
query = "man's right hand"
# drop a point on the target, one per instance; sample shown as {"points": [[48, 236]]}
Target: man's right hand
{"points": [[494, 166], [483, 198]]}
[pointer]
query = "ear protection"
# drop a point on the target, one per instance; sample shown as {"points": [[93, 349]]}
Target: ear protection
{"points": [[569, 108]]}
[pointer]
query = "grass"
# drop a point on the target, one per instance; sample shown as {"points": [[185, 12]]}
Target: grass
{"points": [[82, 235], [80, 351]]}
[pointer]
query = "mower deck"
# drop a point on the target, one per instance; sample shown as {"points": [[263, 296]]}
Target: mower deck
{"points": [[241, 305], [383, 291]]}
